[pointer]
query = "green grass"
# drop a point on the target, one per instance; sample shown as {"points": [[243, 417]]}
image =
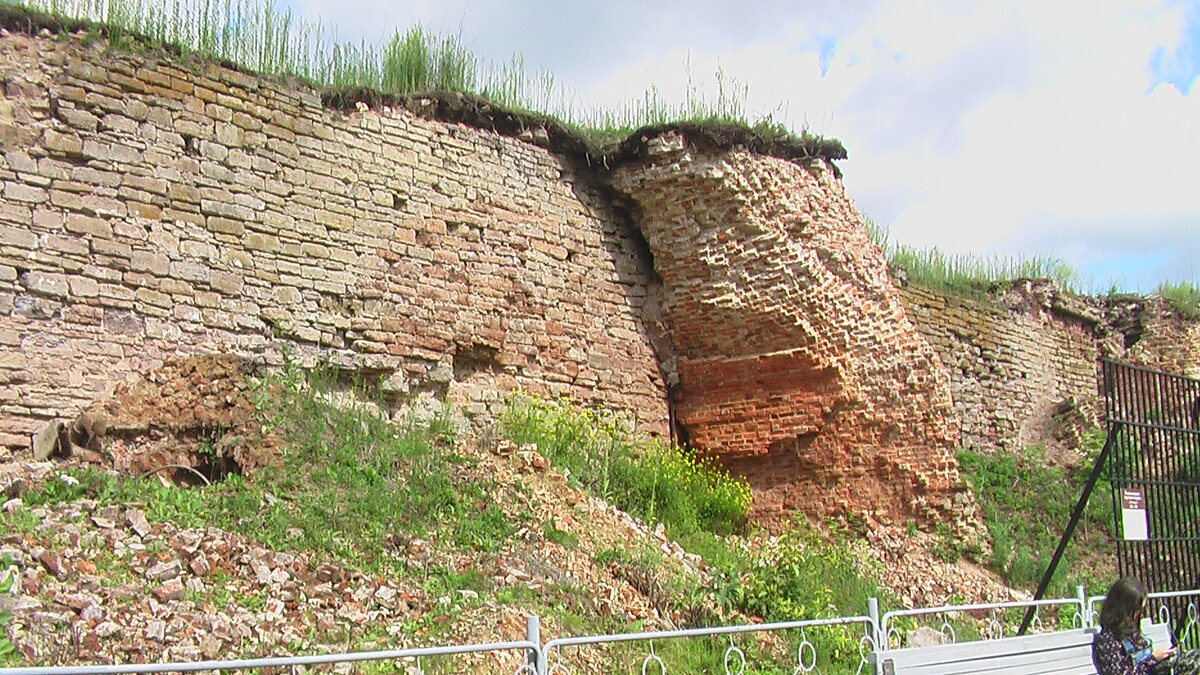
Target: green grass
{"points": [[976, 276], [657, 482], [1183, 296], [968, 274], [1026, 506], [258, 36], [797, 575], [347, 481], [348, 478]]}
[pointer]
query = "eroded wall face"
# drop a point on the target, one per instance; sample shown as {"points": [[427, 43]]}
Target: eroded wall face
{"points": [[150, 210], [1019, 377], [794, 358], [1024, 368]]}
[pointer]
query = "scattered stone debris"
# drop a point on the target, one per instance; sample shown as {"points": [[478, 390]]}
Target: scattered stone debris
{"points": [[124, 589]]}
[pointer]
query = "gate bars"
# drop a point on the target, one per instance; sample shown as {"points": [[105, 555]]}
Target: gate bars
{"points": [[1153, 447], [1158, 454]]}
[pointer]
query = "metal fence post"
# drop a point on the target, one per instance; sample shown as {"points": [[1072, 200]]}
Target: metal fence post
{"points": [[1086, 613], [533, 633], [873, 612]]}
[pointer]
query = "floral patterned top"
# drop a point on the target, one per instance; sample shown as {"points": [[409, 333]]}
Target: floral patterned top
{"points": [[1113, 656]]}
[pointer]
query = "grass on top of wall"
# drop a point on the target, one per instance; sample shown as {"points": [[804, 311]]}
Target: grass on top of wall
{"points": [[968, 274], [1183, 295], [258, 36]]}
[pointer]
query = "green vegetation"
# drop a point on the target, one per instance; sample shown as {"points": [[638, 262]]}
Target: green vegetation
{"points": [[973, 275], [256, 35], [657, 482], [796, 575], [967, 274], [1184, 296], [800, 575], [8, 656], [348, 481], [1027, 503], [9, 580]]}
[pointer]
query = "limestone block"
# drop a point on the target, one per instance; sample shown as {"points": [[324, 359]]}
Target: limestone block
{"points": [[152, 298], [120, 124], [183, 193], [152, 262], [73, 246], [260, 242], [88, 226], [228, 283], [47, 284], [164, 240], [19, 160], [20, 192], [103, 206], [19, 238], [60, 143]]}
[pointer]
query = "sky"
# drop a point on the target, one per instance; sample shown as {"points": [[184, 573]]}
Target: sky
{"points": [[1064, 128]]}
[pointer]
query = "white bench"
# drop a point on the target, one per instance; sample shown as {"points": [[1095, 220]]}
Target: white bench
{"points": [[1066, 652]]}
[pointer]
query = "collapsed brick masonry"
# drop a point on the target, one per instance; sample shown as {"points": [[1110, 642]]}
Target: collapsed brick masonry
{"points": [[152, 209], [793, 358]]}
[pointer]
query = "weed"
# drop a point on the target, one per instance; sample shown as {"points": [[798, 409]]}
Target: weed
{"points": [[656, 482], [967, 274], [256, 35], [1027, 503], [8, 651], [1184, 296], [560, 537]]}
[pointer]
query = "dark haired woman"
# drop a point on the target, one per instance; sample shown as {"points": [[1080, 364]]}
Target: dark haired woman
{"points": [[1120, 648]]}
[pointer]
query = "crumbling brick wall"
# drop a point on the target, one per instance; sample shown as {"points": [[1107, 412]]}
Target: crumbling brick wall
{"points": [[150, 208], [1024, 364], [793, 358]]}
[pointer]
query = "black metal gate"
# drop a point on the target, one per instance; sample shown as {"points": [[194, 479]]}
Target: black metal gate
{"points": [[1154, 468]]}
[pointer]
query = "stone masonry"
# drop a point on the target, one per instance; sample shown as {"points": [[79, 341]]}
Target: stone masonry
{"points": [[793, 357], [150, 209], [154, 208], [1023, 366]]}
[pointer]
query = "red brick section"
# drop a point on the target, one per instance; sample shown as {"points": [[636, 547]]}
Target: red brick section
{"points": [[795, 361]]}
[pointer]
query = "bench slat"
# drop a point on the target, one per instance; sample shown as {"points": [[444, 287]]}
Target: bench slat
{"points": [[1052, 661], [1024, 643], [1061, 653], [1065, 652]]}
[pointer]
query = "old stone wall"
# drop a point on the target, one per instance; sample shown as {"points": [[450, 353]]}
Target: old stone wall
{"points": [[151, 208], [792, 356], [1024, 364]]}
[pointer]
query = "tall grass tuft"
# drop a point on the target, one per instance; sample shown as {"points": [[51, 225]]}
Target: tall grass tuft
{"points": [[967, 274], [1184, 296], [258, 36], [1025, 501]]}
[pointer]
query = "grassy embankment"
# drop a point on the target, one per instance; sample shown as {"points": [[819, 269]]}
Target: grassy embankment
{"points": [[350, 482]]}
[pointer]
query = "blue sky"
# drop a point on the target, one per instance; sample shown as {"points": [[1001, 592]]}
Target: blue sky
{"points": [[1065, 128]]}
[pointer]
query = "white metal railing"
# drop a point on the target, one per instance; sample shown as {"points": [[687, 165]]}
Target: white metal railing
{"points": [[1161, 612], [994, 628], [535, 658], [734, 661], [291, 662]]}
